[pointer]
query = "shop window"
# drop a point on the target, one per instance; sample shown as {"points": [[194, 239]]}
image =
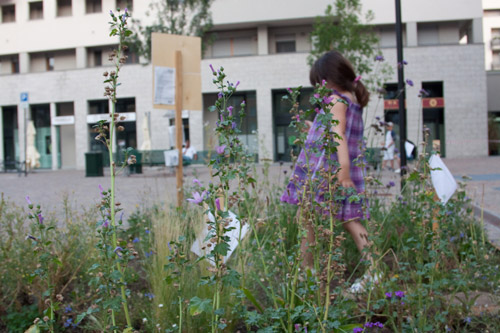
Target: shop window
{"points": [[248, 127], [494, 133], [93, 6], [98, 106], [284, 135], [65, 109], [122, 4], [8, 13], [63, 8], [36, 10]]}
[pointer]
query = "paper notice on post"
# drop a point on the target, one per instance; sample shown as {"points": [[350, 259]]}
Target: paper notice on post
{"points": [[164, 85], [442, 179], [234, 236]]}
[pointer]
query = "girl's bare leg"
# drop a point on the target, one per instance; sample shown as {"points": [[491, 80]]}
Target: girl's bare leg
{"points": [[359, 235]]}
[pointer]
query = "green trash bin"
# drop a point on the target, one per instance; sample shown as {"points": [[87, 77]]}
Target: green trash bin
{"points": [[137, 167], [94, 164]]}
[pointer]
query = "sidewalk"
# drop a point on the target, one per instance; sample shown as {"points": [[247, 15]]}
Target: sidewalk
{"points": [[157, 186]]}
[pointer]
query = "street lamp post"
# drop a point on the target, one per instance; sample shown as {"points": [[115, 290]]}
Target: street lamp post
{"points": [[401, 91]]}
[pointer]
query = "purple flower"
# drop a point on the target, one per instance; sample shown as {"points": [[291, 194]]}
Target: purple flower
{"points": [[136, 240], [118, 250], [237, 84], [467, 320], [327, 100], [148, 231], [422, 93], [377, 118], [388, 295], [126, 10], [220, 95], [379, 58], [357, 330], [149, 295], [400, 294], [68, 322], [149, 254], [410, 82], [68, 309], [220, 149], [297, 327], [289, 90], [197, 197], [111, 12], [233, 125], [323, 83], [101, 190], [28, 200], [213, 70], [391, 184], [297, 118], [40, 218], [106, 223], [243, 103], [230, 110], [462, 235], [197, 182], [317, 96], [405, 62], [217, 203]]}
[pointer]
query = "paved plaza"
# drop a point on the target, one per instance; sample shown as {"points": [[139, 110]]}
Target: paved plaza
{"points": [[156, 185]]}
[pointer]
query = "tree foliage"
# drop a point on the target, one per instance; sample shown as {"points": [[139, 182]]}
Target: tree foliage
{"points": [[342, 29], [178, 17]]}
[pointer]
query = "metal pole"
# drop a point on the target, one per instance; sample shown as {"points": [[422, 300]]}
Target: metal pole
{"points": [[401, 92], [26, 120]]}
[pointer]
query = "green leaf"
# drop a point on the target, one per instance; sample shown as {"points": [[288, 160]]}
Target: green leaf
{"points": [[252, 299], [80, 317], [198, 306]]}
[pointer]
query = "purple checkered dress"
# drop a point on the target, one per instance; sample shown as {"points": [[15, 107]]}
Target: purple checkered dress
{"points": [[316, 157]]}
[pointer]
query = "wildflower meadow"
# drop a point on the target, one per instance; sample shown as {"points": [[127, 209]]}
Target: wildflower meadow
{"points": [[178, 269]]}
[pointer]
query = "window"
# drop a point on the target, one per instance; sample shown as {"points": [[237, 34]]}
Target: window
{"points": [[8, 13], [63, 8], [93, 6], [230, 44], [65, 109], [100, 106], [9, 64], [15, 64], [495, 60], [49, 62], [427, 34], [122, 4], [36, 10], [97, 58], [285, 43]]}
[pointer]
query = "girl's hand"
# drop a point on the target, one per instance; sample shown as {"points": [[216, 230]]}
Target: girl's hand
{"points": [[345, 178], [308, 126]]}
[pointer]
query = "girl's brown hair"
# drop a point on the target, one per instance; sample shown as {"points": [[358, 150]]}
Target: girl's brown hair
{"points": [[337, 70]]}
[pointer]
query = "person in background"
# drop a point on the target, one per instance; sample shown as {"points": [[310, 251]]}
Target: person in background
{"points": [[389, 146], [189, 154]]}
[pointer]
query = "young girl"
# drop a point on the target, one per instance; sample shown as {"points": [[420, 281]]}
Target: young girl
{"points": [[340, 77]]}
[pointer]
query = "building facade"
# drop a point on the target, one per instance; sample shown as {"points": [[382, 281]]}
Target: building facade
{"points": [[491, 28], [56, 51]]}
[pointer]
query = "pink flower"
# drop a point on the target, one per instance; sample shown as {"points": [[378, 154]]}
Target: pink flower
{"points": [[220, 149], [198, 198], [230, 110], [327, 100], [217, 203], [317, 96], [197, 182]]}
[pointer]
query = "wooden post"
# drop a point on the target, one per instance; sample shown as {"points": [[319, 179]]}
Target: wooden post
{"points": [[178, 123]]}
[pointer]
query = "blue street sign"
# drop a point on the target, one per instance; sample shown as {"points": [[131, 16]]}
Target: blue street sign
{"points": [[24, 97]]}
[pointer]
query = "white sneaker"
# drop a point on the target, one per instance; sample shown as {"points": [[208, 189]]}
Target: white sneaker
{"points": [[367, 280]]}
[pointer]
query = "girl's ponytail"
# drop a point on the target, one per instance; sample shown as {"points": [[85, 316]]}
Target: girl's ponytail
{"points": [[362, 94]]}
